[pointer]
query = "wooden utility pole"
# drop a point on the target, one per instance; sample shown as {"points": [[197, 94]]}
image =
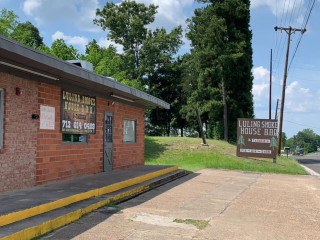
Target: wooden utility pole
{"points": [[270, 91], [289, 31], [275, 116]]}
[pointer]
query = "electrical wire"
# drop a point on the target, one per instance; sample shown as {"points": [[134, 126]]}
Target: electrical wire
{"points": [[305, 25], [302, 124]]}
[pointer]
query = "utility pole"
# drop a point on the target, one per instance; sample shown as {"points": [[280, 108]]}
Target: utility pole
{"points": [[276, 115], [270, 85], [289, 31]]}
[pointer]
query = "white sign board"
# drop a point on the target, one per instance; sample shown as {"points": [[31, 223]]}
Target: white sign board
{"points": [[47, 117]]}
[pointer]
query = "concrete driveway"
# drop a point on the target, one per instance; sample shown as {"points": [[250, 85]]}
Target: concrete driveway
{"points": [[236, 205]]}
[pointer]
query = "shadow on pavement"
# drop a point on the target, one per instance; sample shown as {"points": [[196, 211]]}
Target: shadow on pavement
{"points": [[96, 217]]}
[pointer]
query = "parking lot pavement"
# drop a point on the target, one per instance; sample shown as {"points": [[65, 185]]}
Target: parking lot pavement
{"points": [[211, 204]]}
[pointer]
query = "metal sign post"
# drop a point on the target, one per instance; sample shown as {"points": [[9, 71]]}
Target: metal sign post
{"points": [[201, 129]]}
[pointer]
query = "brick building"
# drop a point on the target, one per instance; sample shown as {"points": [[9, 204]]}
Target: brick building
{"points": [[59, 120]]}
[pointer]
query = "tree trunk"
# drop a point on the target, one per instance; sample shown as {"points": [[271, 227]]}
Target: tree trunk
{"points": [[225, 111], [181, 132], [136, 53], [168, 129]]}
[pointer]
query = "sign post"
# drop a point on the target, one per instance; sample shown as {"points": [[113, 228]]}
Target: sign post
{"points": [[257, 138]]}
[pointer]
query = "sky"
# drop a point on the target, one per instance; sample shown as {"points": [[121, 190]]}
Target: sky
{"points": [[71, 20]]}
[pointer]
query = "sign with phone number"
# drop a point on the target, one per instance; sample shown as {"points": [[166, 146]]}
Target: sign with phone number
{"points": [[78, 113]]}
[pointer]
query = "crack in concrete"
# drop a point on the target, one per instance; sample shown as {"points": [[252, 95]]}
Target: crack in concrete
{"points": [[238, 196]]}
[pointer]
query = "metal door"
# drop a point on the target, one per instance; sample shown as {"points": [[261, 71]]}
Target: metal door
{"points": [[108, 142]]}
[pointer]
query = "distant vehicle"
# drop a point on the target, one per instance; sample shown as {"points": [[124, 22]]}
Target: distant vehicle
{"points": [[301, 154]]}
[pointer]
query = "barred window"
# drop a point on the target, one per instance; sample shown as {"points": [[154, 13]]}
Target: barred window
{"points": [[129, 131]]}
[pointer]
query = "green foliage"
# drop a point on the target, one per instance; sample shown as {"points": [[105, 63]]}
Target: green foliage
{"points": [[221, 55], [107, 62], [306, 139], [283, 140], [8, 22], [126, 23], [163, 76], [27, 34], [61, 50]]}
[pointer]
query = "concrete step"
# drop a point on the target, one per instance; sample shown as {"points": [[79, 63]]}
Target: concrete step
{"points": [[48, 221], [22, 204]]}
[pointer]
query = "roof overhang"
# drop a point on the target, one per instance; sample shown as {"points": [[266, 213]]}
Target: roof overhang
{"points": [[27, 62]]}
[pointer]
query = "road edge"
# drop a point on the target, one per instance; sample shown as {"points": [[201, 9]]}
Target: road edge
{"points": [[310, 171]]}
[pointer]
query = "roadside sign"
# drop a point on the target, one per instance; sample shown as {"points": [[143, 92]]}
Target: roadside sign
{"points": [[257, 138]]}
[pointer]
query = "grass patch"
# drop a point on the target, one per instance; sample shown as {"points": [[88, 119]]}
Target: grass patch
{"points": [[189, 154], [200, 224]]}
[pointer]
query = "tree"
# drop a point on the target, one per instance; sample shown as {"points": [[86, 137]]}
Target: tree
{"points": [[306, 139], [283, 140], [8, 22], [162, 74], [127, 23], [107, 62], [27, 34], [222, 58], [61, 50]]}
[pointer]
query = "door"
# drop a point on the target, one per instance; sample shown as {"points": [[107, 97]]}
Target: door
{"points": [[108, 142]]}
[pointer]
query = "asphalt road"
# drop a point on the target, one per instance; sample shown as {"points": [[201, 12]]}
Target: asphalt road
{"points": [[311, 161]]}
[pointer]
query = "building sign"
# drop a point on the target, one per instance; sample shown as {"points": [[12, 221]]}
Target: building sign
{"points": [[78, 113], [257, 138], [47, 117]]}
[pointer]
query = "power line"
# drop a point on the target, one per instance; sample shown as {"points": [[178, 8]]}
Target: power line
{"points": [[289, 31], [307, 20], [302, 124]]}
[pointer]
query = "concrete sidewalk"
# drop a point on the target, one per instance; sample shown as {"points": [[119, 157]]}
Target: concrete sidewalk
{"points": [[27, 213], [27, 198], [236, 205]]}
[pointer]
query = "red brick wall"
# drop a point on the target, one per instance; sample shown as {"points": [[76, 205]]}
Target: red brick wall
{"points": [[58, 161], [32, 156], [17, 159]]}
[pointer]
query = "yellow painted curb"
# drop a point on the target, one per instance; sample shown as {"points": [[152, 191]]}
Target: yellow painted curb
{"points": [[45, 227], [23, 214]]}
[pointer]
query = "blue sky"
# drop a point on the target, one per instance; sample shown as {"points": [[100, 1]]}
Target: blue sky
{"points": [[72, 21]]}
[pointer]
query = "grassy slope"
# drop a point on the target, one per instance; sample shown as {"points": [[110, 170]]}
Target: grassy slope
{"points": [[189, 154]]}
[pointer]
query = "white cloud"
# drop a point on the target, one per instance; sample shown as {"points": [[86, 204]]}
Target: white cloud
{"points": [[260, 73], [105, 42], [170, 12], [283, 7], [295, 89], [73, 40], [299, 99], [260, 88], [291, 89], [30, 5], [260, 83], [79, 13]]}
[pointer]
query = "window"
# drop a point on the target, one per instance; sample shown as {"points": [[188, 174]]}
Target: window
{"points": [[129, 131], [74, 138], [1, 117]]}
